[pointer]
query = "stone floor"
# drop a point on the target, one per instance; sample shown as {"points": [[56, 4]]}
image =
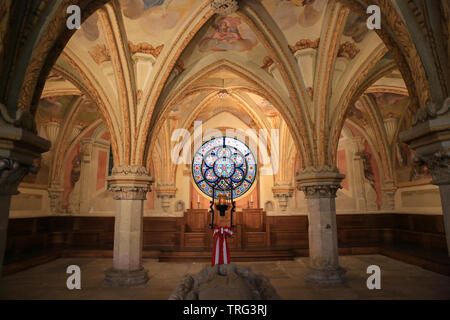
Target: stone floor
{"points": [[398, 280]]}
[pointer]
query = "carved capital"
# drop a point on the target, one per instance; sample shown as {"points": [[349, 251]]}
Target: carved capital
{"points": [[320, 181], [439, 165], [21, 119], [12, 173], [130, 182], [129, 192], [320, 191]]}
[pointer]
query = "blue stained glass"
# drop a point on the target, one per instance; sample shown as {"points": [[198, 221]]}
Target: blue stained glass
{"points": [[222, 164]]}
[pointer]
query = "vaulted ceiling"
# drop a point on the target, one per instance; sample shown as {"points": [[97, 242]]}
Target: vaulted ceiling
{"points": [[298, 64]]}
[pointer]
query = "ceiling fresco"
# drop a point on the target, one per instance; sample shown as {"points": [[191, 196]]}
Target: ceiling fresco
{"points": [[294, 15], [228, 34], [164, 64]]}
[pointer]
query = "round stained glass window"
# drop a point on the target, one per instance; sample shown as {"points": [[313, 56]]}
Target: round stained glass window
{"points": [[223, 164]]}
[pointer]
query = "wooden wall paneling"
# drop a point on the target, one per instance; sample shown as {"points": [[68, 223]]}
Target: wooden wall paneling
{"points": [[34, 237], [196, 220], [253, 219]]}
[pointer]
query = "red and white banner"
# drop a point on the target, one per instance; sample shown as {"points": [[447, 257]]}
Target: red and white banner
{"points": [[221, 254]]}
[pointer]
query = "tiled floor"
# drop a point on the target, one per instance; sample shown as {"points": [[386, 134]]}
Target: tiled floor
{"points": [[398, 280]]}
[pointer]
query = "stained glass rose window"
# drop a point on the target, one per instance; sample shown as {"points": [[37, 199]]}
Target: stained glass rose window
{"points": [[223, 164]]}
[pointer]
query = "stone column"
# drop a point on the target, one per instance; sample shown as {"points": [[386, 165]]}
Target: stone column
{"points": [[130, 185], [430, 139], [320, 185], [11, 174], [19, 146]]}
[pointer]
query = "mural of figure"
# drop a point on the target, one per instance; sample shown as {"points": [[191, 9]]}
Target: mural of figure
{"points": [[368, 171], [51, 108], [155, 16], [386, 99], [74, 194], [76, 170], [355, 27], [134, 9], [285, 14], [227, 36], [311, 13], [90, 28]]}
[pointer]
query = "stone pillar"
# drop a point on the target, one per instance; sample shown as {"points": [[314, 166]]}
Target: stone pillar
{"points": [[282, 193], [430, 139], [11, 174], [130, 185], [320, 185], [19, 146]]}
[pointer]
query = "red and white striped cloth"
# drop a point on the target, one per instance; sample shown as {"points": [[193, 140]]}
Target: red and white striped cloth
{"points": [[221, 254]]}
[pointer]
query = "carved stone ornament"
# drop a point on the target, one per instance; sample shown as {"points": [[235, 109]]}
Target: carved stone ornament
{"points": [[320, 182], [439, 165], [225, 282], [130, 182], [224, 7], [304, 44], [282, 193], [348, 50], [432, 111], [11, 174], [166, 193]]}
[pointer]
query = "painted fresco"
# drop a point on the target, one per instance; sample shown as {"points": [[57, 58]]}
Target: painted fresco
{"points": [[266, 107], [228, 34], [53, 107], [155, 16], [288, 13], [356, 27], [90, 28], [407, 171], [88, 113]]}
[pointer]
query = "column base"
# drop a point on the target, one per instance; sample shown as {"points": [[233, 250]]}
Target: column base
{"points": [[326, 276], [124, 278]]}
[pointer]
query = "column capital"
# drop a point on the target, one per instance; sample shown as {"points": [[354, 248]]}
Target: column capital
{"points": [[12, 173], [130, 182], [439, 165], [19, 147], [430, 139], [320, 181]]}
